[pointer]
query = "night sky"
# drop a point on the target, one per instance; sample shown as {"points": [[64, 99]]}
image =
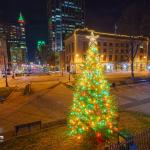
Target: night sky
{"points": [[101, 15]]}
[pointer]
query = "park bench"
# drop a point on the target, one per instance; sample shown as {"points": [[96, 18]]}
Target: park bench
{"points": [[28, 126]]}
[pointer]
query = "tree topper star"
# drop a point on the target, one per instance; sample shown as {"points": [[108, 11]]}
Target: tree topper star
{"points": [[93, 39]]}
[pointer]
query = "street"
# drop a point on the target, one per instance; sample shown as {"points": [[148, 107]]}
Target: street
{"points": [[23, 80]]}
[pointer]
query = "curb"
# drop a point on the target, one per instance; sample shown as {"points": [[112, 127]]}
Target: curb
{"points": [[49, 125]]}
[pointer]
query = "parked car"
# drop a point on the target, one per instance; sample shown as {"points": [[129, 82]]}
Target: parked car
{"points": [[8, 73]]}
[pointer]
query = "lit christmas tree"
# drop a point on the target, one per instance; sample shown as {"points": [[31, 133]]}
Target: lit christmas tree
{"points": [[94, 109]]}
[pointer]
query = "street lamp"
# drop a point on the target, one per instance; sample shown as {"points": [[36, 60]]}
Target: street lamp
{"points": [[102, 56], [13, 70], [145, 61]]}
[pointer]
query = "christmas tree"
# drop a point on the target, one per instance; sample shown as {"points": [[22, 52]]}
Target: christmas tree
{"points": [[94, 109]]}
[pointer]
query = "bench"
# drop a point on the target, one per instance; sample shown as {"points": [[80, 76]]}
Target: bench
{"points": [[28, 126]]}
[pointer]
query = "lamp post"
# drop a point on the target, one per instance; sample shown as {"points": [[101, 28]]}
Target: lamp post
{"points": [[13, 70], [145, 61]]}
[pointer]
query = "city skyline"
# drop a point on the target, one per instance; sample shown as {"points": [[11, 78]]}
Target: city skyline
{"points": [[36, 18], [100, 16]]}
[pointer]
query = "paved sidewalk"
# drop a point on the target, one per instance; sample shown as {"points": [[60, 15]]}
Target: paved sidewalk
{"points": [[135, 97], [44, 104]]}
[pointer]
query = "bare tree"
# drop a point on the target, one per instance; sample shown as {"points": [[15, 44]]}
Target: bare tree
{"points": [[134, 47]]}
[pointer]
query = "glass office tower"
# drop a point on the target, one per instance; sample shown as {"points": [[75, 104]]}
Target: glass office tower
{"points": [[64, 16]]}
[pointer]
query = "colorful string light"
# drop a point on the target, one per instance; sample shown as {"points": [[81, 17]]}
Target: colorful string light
{"points": [[93, 109]]}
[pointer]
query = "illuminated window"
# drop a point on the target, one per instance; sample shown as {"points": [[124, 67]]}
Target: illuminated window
{"points": [[122, 51], [122, 58], [85, 46], [104, 58], [110, 57], [116, 57], [105, 44], [127, 45], [141, 50], [122, 45], [99, 44], [111, 44], [104, 50], [72, 47], [117, 44]]}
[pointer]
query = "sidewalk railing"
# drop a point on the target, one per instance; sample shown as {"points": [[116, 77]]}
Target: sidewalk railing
{"points": [[140, 141]]}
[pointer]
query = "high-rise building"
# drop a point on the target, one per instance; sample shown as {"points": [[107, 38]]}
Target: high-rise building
{"points": [[3, 53], [41, 53], [22, 38], [16, 41], [64, 16], [4, 32], [11, 33]]}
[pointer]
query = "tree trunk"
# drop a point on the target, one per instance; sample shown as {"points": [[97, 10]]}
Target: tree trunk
{"points": [[132, 69], [132, 60]]}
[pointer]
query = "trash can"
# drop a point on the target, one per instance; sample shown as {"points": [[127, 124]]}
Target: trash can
{"points": [[132, 147]]}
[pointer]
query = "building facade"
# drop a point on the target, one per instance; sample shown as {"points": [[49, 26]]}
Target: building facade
{"points": [[3, 53], [64, 16], [42, 54], [22, 38], [16, 42], [114, 51]]}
